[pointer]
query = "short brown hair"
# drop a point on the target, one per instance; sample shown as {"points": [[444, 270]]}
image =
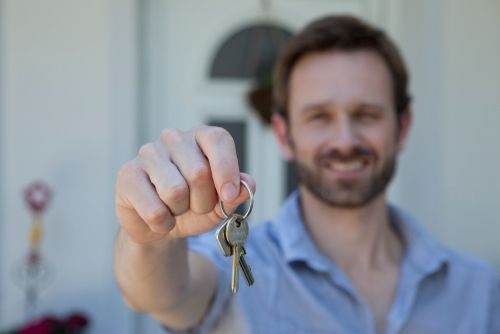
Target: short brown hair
{"points": [[345, 33]]}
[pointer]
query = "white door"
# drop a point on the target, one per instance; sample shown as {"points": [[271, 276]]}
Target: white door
{"points": [[182, 39]]}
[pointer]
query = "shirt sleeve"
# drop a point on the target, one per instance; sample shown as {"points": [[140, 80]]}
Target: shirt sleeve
{"points": [[495, 309], [206, 245]]}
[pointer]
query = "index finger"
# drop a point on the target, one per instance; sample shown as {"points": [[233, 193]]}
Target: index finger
{"points": [[219, 148]]}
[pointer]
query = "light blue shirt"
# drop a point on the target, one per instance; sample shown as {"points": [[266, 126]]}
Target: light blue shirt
{"points": [[299, 290]]}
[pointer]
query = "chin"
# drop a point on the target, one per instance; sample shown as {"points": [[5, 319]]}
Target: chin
{"points": [[343, 199]]}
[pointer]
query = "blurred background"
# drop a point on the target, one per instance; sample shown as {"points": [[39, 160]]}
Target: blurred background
{"points": [[84, 83]]}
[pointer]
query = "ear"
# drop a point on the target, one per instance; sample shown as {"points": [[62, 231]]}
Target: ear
{"points": [[280, 130], [405, 122]]}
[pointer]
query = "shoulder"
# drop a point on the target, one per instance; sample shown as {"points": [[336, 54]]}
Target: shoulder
{"points": [[477, 279], [426, 248], [467, 261], [426, 252], [470, 267]]}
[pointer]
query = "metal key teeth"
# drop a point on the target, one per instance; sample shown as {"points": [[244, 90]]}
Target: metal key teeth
{"points": [[245, 268], [235, 279], [236, 235]]}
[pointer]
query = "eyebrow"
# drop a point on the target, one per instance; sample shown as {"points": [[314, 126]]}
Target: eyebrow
{"points": [[325, 105], [315, 106], [376, 107]]}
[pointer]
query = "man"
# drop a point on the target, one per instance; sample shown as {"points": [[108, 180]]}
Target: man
{"points": [[337, 258]]}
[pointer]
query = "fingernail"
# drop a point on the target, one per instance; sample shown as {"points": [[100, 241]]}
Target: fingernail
{"points": [[229, 192]]}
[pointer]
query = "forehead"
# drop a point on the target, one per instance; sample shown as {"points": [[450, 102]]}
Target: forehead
{"points": [[342, 78]]}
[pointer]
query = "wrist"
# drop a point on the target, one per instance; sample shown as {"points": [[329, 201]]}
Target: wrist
{"points": [[154, 244]]}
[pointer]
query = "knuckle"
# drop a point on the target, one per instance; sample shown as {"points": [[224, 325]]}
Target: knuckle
{"points": [[218, 134], [156, 216], [176, 193], [199, 175], [171, 136], [146, 150], [128, 170]]}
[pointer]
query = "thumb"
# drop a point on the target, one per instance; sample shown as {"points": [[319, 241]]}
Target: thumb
{"points": [[243, 195]]}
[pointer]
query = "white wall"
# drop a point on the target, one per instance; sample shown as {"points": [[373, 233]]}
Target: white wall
{"points": [[448, 174], [472, 134], [67, 117], [419, 30]]}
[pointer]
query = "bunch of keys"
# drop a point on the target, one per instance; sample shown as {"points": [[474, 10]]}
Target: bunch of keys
{"points": [[231, 237]]}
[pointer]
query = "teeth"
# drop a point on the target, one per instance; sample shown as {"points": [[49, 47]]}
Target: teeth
{"points": [[347, 166]]}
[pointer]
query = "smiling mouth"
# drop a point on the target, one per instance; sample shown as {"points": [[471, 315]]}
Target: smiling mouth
{"points": [[347, 166]]}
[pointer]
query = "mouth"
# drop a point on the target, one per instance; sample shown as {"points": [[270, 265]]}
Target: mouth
{"points": [[347, 169]]}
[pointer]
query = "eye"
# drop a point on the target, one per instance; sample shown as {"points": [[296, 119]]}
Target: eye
{"points": [[366, 115], [318, 116]]}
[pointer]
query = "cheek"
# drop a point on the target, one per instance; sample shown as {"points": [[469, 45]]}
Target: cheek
{"points": [[383, 141], [390, 148], [313, 133], [300, 148], [305, 142]]}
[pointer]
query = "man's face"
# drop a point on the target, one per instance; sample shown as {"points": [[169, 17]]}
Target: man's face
{"points": [[342, 126]]}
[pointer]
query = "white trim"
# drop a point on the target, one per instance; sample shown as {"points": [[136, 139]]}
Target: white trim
{"points": [[2, 150], [125, 106]]}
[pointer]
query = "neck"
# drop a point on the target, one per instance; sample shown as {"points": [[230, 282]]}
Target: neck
{"points": [[356, 239]]}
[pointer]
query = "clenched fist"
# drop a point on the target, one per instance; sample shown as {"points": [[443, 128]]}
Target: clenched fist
{"points": [[172, 188]]}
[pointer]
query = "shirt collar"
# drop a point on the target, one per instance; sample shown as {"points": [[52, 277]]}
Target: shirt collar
{"points": [[422, 252], [295, 240]]}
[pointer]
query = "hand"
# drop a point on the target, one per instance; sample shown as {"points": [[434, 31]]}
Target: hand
{"points": [[172, 188]]}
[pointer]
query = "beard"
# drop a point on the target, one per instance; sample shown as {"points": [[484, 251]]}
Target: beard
{"points": [[345, 193]]}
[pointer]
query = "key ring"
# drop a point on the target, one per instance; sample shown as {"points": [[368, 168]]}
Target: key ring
{"points": [[250, 206]]}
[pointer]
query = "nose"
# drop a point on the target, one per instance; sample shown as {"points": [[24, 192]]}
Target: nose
{"points": [[345, 137]]}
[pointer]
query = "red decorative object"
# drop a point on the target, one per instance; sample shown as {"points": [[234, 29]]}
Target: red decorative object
{"points": [[76, 321], [46, 325], [33, 258], [34, 272], [71, 324], [38, 196]]}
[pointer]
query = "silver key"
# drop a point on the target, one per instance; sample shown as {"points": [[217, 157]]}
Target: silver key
{"points": [[245, 268], [230, 245], [220, 236], [226, 249], [236, 235]]}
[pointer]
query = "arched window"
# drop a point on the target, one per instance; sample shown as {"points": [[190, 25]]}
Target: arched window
{"points": [[250, 52]]}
